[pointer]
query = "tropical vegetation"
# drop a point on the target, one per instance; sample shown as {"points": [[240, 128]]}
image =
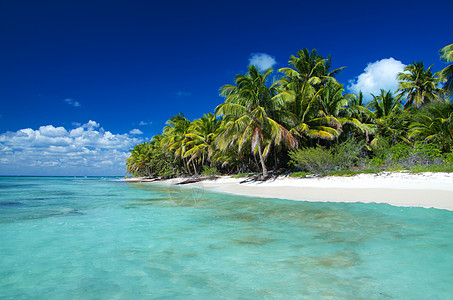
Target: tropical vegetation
{"points": [[302, 121]]}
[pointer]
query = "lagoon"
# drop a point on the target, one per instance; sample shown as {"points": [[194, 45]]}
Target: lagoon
{"points": [[99, 238]]}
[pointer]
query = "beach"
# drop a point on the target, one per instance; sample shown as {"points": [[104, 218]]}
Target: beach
{"points": [[429, 190]]}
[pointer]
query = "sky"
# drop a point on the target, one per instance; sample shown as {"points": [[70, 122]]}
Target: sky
{"points": [[82, 82]]}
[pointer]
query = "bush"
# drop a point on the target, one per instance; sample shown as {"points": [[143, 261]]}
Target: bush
{"points": [[314, 160], [399, 152], [347, 154], [320, 160], [448, 159], [241, 175], [428, 151], [210, 171], [299, 174], [404, 156]]}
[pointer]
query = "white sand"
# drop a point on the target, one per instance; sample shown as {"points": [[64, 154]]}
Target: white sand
{"points": [[400, 189]]}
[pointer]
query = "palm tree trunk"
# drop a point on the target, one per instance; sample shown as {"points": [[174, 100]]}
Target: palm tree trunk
{"points": [[148, 171], [194, 168], [263, 165]]}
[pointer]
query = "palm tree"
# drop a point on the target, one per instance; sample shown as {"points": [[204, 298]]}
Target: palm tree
{"points": [[174, 138], [357, 109], [247, 112], [201, 136], [419, 85], [384, 104], [306, 80], [308, 71], [447, 73], [137, 163], [435, 124]]}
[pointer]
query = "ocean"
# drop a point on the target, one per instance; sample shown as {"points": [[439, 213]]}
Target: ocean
{"points": [[100, 238]]}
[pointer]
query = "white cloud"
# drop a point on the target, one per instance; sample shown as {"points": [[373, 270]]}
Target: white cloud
{"points": [[85, 150], [91, 124], [76, 124], [51, 131], [135, 131], [72, 102], [262, 61], [143, 123], [376, 76]]}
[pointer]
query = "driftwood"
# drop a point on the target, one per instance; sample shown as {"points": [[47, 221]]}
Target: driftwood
{"points": [[197, 179], [190, 180], [256, 178]]}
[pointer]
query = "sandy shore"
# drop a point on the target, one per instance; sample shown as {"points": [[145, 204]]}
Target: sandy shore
{"points": [[399, 189]]}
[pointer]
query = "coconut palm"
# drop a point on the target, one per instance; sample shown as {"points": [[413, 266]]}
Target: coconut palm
{"points": [[356, 108], [447, 73], [201, 136], [174, 138], [137, 163], [307, 73], [384, 104], [247, 111], [306, 79], [435, 124], [419, 86]]}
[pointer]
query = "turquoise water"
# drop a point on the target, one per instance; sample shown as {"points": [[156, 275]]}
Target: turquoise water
{"points": [[97, 238]]}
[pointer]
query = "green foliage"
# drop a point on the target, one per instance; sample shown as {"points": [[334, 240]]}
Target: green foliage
{"points": [[261, 122], [399, 152], [348, 173], [427, 150], [403, 156], [376, 162], [314, 160], [448, 159], [432, 168], [385, 104], [434, 124], [149, 159], [210, 171], [348, 154], [320, 160], [241, 175], [447, 73], [299, 174], [419, 86]]}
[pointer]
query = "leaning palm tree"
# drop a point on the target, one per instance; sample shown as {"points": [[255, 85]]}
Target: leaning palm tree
{"points": [[447, 73], [419, 86], [247, 111]]}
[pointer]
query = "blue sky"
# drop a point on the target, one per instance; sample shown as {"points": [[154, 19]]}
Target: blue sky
{"points": [[81, 82]]}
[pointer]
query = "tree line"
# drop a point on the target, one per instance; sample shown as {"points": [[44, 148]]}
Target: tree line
{"points": [[305, 119]]}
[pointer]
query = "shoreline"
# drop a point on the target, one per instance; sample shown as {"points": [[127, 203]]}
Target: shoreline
{"points": [[428, 190]]}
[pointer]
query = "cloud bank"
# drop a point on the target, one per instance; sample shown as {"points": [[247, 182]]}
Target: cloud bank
{"points": [[85, 150], [376, 76], [262, 61]]}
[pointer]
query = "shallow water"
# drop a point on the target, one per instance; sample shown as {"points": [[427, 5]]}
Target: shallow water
{"points": [[97, 238]]}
